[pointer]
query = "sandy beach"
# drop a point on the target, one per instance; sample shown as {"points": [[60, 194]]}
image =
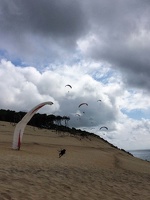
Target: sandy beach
{"points": [[91, 169]]}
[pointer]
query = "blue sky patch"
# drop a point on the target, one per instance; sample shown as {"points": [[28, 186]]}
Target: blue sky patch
{"points": [[101, 77], [137, 114]]}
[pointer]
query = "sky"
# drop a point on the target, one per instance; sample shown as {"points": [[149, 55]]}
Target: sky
{"points": [[101, 49]]}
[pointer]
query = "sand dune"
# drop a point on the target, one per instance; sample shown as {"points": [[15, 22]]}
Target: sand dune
{"points": [[91, 169]]}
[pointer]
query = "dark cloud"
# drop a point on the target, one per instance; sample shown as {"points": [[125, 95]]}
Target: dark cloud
{"points": [[34, 28], [56, 18], [122, 39], [44, 31]]}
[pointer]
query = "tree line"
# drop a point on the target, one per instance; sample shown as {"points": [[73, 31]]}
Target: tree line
{"points": [[58, 123], [48, 122], [38, 120]]}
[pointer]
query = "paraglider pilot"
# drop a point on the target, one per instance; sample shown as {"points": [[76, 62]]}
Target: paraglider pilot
{"points": [[62, 152]]}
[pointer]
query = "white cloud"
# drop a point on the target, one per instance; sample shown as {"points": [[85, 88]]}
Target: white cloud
{"points": [[23, 88], [101, 49]]}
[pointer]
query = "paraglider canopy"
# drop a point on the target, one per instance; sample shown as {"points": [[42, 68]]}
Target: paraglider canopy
{"points": [[103, 127], [83, 104], [19, 129], [78, 114], [68, 86], [99, 100]]}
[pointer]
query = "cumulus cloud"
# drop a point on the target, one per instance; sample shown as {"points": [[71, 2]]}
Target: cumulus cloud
{"points": [[45, 29], [21, 82], [101, 49], [48, 31], [24, 87], [120, 37], [18, 87]]}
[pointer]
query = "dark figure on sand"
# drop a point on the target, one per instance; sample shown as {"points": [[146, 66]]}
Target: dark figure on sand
{"points": [[62, 152]]}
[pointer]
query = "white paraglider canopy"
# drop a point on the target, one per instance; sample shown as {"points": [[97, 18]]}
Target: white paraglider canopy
{"points": [[19, 129]]}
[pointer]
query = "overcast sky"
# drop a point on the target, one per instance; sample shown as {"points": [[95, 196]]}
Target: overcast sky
{"points": [[100, 48]]}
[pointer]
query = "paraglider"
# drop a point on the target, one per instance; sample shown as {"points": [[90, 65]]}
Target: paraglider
{"points": [[62, 152], [78, 114], [83, 104], [19, 129], [99, 100], [68, 86], [103, 127]]}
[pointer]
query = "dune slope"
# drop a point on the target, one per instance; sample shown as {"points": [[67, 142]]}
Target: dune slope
{"points": [[90, 169]]}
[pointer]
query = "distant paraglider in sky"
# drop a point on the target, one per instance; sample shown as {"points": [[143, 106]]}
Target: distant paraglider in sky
{"points": [[68, 86], [78, 114], [99, 100], [19, 129], [82, 104], [103, 127]]}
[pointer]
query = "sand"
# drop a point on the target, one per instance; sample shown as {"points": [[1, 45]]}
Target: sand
{"points": [[91, 169]]}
